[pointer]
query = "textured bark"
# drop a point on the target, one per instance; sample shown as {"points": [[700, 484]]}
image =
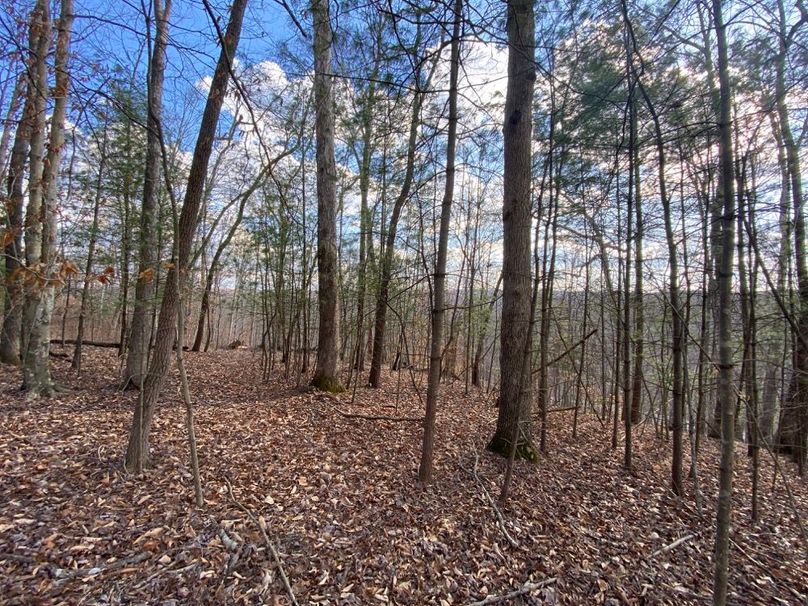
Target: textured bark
{"points": [[41, 214], [12, 316], [515, 401], [140, 333], [326, 371], [137, 452], [439, 283], [724, 278], [17, 97], [32, 276], [792, 436]]}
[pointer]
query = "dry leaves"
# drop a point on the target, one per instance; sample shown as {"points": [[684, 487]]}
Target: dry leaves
{"points": [[337, 495]]}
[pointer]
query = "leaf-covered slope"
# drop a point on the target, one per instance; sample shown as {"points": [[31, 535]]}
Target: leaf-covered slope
{"points": [[338, 498]]}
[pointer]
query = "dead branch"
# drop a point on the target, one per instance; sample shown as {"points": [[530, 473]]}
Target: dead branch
{"points": [[351, 415], [497, 512], [569, 349], [267, 540], [673, 545], [526, 588]]}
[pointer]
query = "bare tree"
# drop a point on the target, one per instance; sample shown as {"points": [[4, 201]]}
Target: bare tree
{"points": [[140, 332], [439, 283], [325, 372], [513, 430], [137, 452], [726, 193]]}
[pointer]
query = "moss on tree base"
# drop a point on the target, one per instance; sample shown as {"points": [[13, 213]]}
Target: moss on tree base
{"points": [[525, 451], [328, 384]]}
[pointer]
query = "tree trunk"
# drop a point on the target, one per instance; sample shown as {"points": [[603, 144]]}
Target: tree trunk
{"points": [[41, 219], [140, 333], [514, 400], [325, 372], [137, 453], [386, 255], [12, 316], [85, 291], [724, 279], [792, 436], [439, 283]]}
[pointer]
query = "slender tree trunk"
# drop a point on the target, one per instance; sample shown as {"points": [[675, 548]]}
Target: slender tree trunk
{"points": [[386, 255], [439, 282], [140, 333], [724, 279], [513, 429], [137, 453], [793, 432], [13, 252]]}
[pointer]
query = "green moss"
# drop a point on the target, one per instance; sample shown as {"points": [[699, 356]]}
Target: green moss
{"points": [[328, 384], [525, 451]]}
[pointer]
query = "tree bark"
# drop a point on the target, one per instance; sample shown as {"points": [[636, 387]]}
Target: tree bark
{"points": [[137, 453], [439, 283], [792, 436], [326, 371], [40, 294], [13, 252], [140, 332], [724, 279], [514, 400]]}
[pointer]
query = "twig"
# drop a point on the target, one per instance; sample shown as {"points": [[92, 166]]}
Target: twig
{"points": [[526, 588], [673, 545], [497, 512], [351, 415], [268, 541]]}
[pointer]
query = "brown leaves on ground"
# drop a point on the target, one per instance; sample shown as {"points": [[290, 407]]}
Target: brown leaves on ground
{"points": [[338, 497]]}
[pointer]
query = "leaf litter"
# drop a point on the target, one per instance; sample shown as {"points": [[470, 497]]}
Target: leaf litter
{"points": [[337, 498]]}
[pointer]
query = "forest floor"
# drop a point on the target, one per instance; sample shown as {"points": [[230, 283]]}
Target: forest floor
{"points": [[339, 500]]}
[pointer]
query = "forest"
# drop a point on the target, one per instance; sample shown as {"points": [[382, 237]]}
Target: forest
{"points": [[403, 302]]}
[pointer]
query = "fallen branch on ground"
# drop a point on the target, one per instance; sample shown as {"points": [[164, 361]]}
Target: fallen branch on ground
{"points": [[673, 545], [497, 512], [526, 588], [352, 415], [267, 540]]}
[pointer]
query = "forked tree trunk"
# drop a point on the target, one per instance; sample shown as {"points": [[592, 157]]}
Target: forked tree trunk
{"points": [[41, 219], [137, 452], [514, 400]]}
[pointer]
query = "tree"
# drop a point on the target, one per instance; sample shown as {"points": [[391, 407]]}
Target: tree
{"points": [[42, 277], [140, 334], [726, 399], [439, 282], [513, 431], [325, 372], [137, 451]]}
